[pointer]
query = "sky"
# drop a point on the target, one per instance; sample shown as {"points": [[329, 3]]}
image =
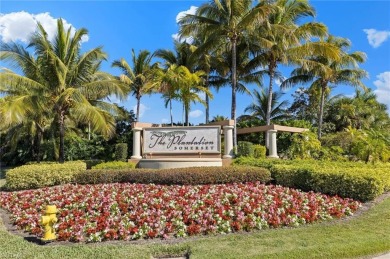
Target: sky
{"points": [[120, 26]]}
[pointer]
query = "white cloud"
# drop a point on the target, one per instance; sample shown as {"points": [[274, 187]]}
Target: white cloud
{"points": [[164, 121], [202, 95], [376, 38], [195, 113], [175, 36], [180, 15], [19, 26], [142, 109], [278, 81], [188, 40], [383, 88]]}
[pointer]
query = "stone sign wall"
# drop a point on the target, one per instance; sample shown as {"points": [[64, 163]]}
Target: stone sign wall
{"points": [[203, 139]]}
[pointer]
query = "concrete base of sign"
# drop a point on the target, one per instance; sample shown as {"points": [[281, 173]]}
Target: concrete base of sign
{"points": [[163, 163]]}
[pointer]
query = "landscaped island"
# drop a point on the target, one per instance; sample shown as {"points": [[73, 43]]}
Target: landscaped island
{"points": [[131, 203], [95, 213]]}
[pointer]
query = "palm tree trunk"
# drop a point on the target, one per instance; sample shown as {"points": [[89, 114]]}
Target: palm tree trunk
{"points": [[186, 112], [61, 158], [138, 104], [89, 130], [207, 100], [170, 111], [183, 116], [234, 88], [269, 103], [38, 144], [321, 113]]}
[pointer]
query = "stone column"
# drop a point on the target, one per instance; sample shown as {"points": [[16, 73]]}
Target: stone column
{"points": [[273, 150], [228, 132], [136, 143]]}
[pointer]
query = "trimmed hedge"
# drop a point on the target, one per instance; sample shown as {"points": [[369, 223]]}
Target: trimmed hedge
{"points": [[359, 181], [245, 148], [92, 162], [181, 176], [35, 176], [333, 182], [114, 165], [121, 152], [259, 151]]}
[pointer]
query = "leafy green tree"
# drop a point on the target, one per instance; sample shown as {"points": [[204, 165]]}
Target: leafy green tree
{"points": [[304, 145], [304, 105], [124, 134], [362, 111], [370, 145], [139, 78], [326, 71]]}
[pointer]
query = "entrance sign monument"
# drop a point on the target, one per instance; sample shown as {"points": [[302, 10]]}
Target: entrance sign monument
{"points": [[174, 147], [170, 147], [182, 140]]}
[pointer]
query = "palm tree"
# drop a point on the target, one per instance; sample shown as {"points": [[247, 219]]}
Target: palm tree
{"points": [[23, 104], [183, 65], [285, 42], [259, 107], [177, 82], [218, 118], [192, 85], [224, 19], [68, 75], [181, 56], [139, 78], [326, 71], [362, 111], [168, 82], [204, 62]]}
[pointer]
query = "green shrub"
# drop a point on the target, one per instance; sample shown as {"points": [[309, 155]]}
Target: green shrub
{"points": [[266, 163], [114, 165], [41, 175], [192, 175], [244, 148], [304, 145], [121, 152], [92, 162], [259, 151], [333, 182], [346, 179]]}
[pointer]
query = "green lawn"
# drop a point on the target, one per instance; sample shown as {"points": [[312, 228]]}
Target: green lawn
{"points": [[367, 234]]}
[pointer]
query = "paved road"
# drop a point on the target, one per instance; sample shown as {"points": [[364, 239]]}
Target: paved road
{"points": [[384, 256]]}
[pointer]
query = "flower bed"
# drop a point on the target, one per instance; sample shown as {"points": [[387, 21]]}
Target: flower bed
{"points": [[101, 212]]}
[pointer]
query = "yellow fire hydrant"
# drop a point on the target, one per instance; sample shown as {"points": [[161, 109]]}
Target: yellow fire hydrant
{"points": [[48, 221]]}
